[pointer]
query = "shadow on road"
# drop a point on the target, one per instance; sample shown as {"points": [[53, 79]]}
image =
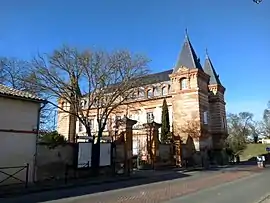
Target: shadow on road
{"points": [[87, 189], [146, 177]]}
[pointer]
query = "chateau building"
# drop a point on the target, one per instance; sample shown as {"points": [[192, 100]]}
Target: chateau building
{"points": [[195, 98]]}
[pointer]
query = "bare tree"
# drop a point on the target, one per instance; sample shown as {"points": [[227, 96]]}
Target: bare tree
{"points": [[15, 73], [266, 121], [194, 129], [89, 81], [12, 71], [257, 1], [239, 128]]}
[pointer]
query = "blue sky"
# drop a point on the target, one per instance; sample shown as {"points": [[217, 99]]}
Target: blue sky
{"points": [[236, 33]]}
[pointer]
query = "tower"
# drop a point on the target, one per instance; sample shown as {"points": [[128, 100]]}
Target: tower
{"points": [[66, 122], [190, 103], [217, 112]]}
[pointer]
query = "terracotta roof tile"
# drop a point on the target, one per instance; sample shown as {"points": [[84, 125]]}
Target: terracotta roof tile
{"points": [[8, 91]]}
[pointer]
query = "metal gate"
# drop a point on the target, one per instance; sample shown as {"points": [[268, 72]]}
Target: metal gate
{"points": [[13, 175]]}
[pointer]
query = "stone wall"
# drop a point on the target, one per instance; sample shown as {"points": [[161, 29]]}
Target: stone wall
{"points": [[51, 163]]}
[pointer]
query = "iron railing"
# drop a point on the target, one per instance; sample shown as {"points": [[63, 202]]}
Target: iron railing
{"points": [[12, 175]]}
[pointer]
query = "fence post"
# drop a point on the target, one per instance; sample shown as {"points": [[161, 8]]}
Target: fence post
{"points": [[66, 173], [26, 175]]}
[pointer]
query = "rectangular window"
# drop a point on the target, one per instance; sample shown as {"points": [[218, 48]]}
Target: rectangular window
{"points": [[80, 126], [150, 117], [205, 117], [183, 84], [224, 123], [91, 124]]}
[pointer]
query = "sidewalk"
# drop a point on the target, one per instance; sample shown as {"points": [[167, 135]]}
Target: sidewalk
{"points": [[60, 184], [13, 190], [7, 191]]}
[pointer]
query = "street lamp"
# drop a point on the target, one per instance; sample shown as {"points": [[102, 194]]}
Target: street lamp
{"points": [[257, 1]]}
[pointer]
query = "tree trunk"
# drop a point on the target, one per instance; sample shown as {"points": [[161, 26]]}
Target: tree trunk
{"points": [[96, 154]]}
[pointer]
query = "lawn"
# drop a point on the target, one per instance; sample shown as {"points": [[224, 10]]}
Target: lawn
{"points": [[254, 150]]}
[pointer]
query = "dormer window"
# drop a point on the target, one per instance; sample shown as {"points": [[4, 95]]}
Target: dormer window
{"points": [[149, 93], [164, 91], [63, 105], [183, 84], [156, 92], [83, 104], [141, 93]]}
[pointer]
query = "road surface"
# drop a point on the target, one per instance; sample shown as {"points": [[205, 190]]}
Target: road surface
{"points": [[252, 189], [243, 184]]}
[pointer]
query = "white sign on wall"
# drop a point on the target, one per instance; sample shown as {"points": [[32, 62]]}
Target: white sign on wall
{"points": [[84, 154], [105, 154]]}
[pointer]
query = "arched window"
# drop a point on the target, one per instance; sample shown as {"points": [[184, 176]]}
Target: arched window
{"points": [[156, 92], [134, 95], [164, 91], [149, 93], [141, 93], [183, 84], [63, 105], [169, 88], [83, 103]]}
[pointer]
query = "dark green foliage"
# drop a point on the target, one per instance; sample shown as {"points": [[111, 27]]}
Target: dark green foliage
{"points": [[165, 128], [52, 139]]}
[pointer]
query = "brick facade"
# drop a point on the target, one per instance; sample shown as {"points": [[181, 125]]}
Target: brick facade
{"points": [[195, 97]]}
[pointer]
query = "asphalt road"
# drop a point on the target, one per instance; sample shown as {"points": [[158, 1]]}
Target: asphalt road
{"points": [[253, 189], [239, 185]]}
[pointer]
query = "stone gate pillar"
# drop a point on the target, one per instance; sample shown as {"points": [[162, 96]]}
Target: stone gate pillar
{"points": [[153, 140], [177, 151], [126, 125]]}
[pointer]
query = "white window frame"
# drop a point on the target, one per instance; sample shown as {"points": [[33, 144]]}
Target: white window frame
{"points": [[150, 117], [183, 84], [80, 126], [164, 90], [149, 93]]}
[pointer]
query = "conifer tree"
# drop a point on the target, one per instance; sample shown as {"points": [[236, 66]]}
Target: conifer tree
{"points": [[165, 127]]}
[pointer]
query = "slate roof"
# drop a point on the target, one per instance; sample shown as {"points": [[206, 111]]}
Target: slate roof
{"points": [[145, 80], [10, 92], [209, 69], [187, 57], [155, 77]]}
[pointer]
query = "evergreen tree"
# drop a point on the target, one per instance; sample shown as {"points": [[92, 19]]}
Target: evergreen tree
{"points": [[165, 127]]}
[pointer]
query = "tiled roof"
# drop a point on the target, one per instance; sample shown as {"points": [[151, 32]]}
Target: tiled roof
{"points": [[187, 57], [209, 69], [8, 91]]}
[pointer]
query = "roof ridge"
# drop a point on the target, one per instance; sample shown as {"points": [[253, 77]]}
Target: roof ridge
{"points": [[210, 70], [10, 91], [187, 56]]}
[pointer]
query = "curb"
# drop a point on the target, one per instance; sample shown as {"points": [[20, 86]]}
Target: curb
{"points": [[64, 186]]}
